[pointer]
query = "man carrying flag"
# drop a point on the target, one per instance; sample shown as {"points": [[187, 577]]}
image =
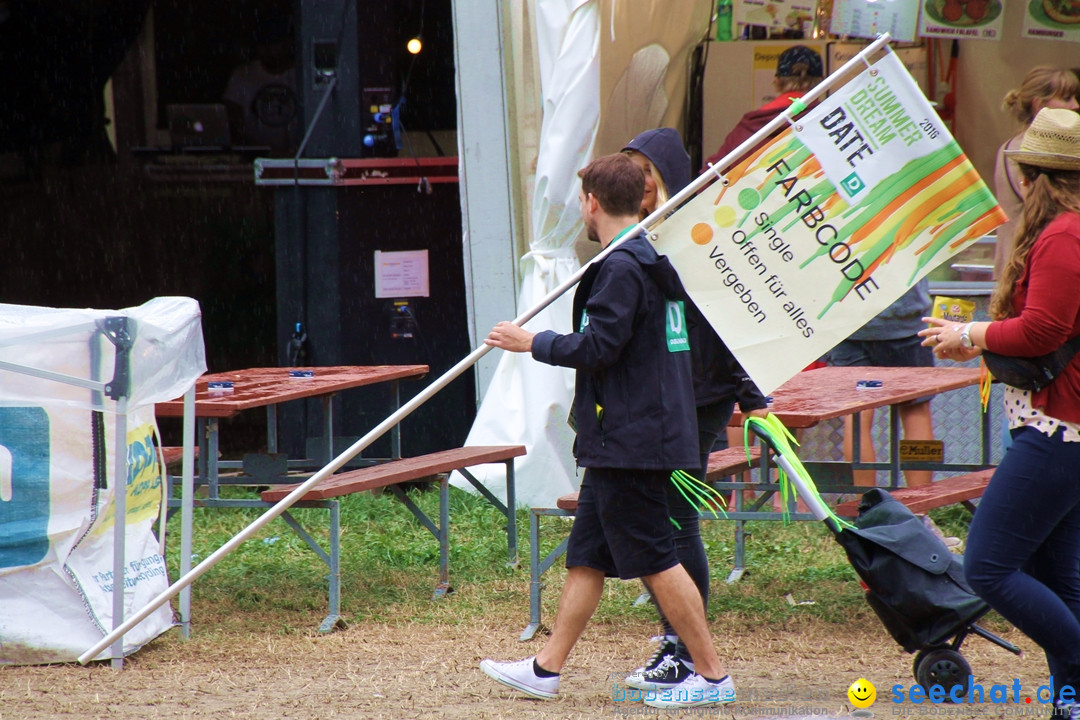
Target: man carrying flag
{"points": [[635, 420]]}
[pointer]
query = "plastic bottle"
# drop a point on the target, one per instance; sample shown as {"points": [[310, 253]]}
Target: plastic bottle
{"points": [[723, 20]]}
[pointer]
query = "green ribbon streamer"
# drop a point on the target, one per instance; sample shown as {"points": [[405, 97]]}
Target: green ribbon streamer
{"points": [[779, 437], [700, 495], [703, 496]]}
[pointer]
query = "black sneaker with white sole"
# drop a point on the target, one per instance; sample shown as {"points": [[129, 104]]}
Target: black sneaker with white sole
{"points": [[667, 647], [667, 668]]}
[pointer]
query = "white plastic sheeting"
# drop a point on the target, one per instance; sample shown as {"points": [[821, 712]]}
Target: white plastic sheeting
{"points": [[528, 402], [58, 469], [637, 84]]}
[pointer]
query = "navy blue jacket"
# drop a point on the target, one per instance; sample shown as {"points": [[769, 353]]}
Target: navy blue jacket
{"points": [[717, 374], [634, 397]]}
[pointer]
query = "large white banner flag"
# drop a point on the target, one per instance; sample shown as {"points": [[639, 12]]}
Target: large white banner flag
{"points": [[826, 225]]}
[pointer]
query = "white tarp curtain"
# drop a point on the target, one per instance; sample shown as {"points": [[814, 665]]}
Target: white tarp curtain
{"points": [[625, 62], [57, 473]]}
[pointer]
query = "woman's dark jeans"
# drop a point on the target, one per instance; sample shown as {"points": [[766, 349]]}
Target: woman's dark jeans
{"points": [[1023, 550]]}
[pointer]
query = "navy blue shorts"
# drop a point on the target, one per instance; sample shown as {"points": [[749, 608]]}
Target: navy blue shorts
{"points": [[901, 352], [622, 526]]}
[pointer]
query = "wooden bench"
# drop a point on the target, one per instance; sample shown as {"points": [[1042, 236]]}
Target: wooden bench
{"points": [[722, 463], [175, 454], [434, 467], [948, 491]]}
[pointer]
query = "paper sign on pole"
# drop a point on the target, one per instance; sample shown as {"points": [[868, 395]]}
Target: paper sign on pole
{"points": [[826, 225]]}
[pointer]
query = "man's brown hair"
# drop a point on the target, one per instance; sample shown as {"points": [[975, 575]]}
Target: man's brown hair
{"points": [[616, 183]]}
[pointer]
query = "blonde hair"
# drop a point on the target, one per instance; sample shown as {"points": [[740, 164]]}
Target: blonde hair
{"points": [[662, 195], [1042, 83], [1050, 193]]}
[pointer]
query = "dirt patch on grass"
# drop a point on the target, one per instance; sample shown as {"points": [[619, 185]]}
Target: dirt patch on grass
{"points": [[400, 670]]}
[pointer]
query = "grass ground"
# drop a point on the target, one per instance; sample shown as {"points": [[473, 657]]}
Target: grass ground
{"points": [[390, 561], [255, 652]]}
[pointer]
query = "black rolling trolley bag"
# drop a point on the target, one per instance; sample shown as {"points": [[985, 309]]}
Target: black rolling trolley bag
{"points": [[914, 584]]}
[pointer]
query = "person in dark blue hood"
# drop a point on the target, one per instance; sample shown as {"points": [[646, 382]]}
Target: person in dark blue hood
{"points": [[719, 381], [661, 155], [635, 423]]}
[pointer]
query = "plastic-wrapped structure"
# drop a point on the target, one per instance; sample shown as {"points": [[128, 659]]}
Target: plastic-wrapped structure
{"points": [[77, 394]]}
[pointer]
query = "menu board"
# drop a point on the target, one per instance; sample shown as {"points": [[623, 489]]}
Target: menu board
{"points": [[973, 19], [1052, 20], [870, 18], [780, 14]]}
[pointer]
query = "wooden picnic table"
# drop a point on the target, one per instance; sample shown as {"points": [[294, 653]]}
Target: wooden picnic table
{"points": [[253, 388], [263, 387], [813, 396]]}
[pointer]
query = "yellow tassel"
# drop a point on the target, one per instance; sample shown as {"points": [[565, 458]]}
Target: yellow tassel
{"points": [[985, 378]]}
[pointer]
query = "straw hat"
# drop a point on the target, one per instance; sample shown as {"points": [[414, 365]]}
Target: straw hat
{"points": [[1052, 141]]}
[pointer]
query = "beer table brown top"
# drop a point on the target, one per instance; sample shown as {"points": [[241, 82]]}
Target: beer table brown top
{"points": [[259, 387], [814, 396]]}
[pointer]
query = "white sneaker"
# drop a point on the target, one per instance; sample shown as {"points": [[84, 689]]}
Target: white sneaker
{"points": [[520, 676], [694, 691]]}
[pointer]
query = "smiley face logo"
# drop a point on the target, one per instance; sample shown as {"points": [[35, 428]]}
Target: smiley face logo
{"points": [[862, 693]]}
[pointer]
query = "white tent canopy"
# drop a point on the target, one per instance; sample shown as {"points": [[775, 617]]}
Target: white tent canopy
{"points": [[608, 71]]}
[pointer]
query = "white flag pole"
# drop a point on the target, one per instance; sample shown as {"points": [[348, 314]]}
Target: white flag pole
{"points": [[401, 413]]}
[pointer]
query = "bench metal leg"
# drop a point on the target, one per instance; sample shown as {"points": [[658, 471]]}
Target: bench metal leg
{"points": [[534, 578], [538, 567], [444, 537], [332, 559], [333, 618], [509, 509], [740, 538], [511, 516], [738, 494], [442, 534]]}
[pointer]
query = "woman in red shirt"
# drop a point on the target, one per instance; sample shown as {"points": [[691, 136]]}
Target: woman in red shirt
{"points": [[1023, 550]]}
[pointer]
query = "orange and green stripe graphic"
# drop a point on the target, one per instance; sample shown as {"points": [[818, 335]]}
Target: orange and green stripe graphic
{"points": [[932, 205]]}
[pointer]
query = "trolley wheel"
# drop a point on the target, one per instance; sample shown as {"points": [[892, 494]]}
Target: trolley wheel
{"points": [[921, 655], [941, 666]]}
